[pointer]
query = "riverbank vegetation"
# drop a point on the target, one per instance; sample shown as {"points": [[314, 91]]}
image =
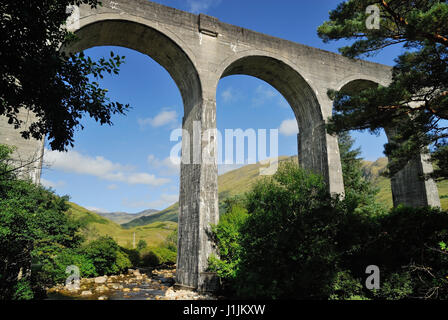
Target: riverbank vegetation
{"points": [[288, 238], [40, 238]]}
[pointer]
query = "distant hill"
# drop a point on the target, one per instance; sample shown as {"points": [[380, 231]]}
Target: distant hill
{"points": [[169, 214], [96, 226], [241, 180], [124, 217]]}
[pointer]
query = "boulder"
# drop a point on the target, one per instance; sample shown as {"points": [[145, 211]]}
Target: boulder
{"points": [[102, 279]]}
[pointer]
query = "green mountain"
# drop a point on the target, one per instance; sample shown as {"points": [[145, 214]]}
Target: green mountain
{"points": [[95, 226], [124, 217], [169, 214], [241, 180]]}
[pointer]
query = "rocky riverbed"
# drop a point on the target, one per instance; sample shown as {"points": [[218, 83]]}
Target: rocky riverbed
{"points": [[138, 284]]}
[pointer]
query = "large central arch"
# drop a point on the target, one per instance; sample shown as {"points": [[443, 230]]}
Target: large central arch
{"points": [[312, 139], [146, 40]]}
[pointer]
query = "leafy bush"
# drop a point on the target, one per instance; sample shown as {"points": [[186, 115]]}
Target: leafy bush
{"points": [[141, 245], [57, 270], [103, 253], [166, 253], [150, 259], [290, 239], [285, 246], [133, 255], [32, 223], [122, 262], [157, 256], [38, 239], [409, 249], [228, 236]]}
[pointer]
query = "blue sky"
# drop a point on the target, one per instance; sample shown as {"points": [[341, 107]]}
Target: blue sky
{"points": [[126, 167]]}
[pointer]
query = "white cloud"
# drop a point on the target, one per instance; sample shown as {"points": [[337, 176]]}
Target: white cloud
{"points": [[263, 94], [100, 167], [165, 117], [198, 6], [50, 184], [112, 187], [167, 166], [289, 127]]}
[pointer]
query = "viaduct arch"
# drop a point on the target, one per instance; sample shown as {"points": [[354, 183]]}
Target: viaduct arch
{"points": [[197, 51]]}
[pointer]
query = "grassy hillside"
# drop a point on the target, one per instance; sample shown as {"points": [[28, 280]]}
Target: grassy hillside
{"points": [[96, 226]]}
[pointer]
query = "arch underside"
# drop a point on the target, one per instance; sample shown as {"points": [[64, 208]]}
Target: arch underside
{"points": [[150, 42], [312, 150]]}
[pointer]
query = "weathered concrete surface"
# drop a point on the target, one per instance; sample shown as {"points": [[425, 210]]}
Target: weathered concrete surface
{"points": [[197, 51], [28, 155]]}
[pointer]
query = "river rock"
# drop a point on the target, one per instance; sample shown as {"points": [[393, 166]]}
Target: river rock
{"points": [[116, 286], [102, 288], [86, 293], [102, 279]]}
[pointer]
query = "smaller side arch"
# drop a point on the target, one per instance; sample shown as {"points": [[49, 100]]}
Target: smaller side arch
{"points": [[408, 188]]}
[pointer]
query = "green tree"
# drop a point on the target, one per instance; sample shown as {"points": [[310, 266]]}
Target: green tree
{"points": [[360, 192], [228, 236], [416, 101], [33, 230], [35, 75], [103, 252], [288, 247], [141, 245]]}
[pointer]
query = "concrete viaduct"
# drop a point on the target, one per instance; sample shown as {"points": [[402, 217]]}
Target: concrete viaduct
{"points": [[199, 50]]}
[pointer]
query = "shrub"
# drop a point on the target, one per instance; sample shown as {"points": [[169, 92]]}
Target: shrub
{"points": [[285, 246], [157, 256], [65, 258], [32, 223], [122, 262], [409, 251], [133, 255], [150, 259], [228, 237], [103, 253], [141, 245]]}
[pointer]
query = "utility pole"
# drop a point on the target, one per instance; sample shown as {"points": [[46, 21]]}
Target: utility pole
{"points": [[133, 243]]}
